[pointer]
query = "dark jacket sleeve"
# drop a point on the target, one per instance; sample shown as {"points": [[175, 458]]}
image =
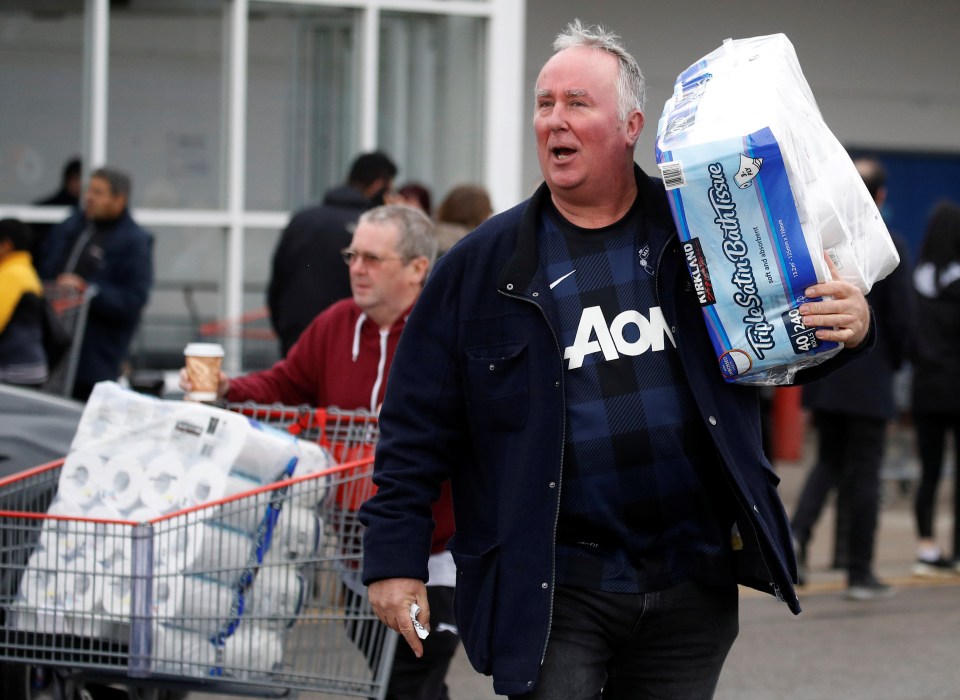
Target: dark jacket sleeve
{"points": [[123, 288]]}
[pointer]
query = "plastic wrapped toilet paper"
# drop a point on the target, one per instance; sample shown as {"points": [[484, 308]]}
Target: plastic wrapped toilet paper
{"points": [[296, 536], [252, 651], [224, 554], [207, 605], [313, 459], [161, 489], [121, 478], [204, 481], [266, 454], [177, 543], [759, 189], [276, 597], [182, 652], [79, 482]]}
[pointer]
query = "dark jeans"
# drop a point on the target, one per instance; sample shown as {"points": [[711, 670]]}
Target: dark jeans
{"points": [[668, 644], [932, 432], [851, 452]]}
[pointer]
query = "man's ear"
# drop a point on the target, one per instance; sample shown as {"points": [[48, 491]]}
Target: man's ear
{"points": [[420, 267], [635, 122]]}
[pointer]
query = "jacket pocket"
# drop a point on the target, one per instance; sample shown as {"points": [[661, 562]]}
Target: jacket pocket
{"points": [[474, 599], [499, 386]]}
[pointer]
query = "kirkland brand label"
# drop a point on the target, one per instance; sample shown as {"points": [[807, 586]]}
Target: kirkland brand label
{"points": [[745, 250]]}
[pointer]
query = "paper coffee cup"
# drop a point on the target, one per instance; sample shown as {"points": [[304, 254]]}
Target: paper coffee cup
{"points": [[203, 361]]}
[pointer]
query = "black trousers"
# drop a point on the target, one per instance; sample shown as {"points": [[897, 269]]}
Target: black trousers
{"points": [[850, 455], [932, 432]]}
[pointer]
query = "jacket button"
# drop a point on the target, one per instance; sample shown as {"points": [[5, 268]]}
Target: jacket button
{"points": [[544, 585], [492, 367], [552, 484], [510, 287], [557, 385], [536, 294], [712, 420]]}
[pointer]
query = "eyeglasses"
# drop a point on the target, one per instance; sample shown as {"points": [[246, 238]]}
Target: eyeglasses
{"points": [[369, 259]]}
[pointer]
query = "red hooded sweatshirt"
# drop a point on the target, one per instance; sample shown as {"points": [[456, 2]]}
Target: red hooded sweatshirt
{"points": [[341, 359]]}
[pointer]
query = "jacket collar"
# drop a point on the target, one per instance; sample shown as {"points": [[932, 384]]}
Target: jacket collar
{"points": [[522, 267]]}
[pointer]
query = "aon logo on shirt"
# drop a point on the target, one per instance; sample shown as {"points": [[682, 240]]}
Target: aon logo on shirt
{"points": [[617, 338]]}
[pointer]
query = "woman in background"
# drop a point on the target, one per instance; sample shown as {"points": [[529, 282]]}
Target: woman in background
{"points": [[936, 379]]}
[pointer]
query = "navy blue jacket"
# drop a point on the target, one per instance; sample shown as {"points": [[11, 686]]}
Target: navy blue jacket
{"points": [[307, 273], [476, 394], [123, 278]]}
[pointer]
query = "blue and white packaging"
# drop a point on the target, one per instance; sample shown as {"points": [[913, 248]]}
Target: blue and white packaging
{"points": [[760, 190]]}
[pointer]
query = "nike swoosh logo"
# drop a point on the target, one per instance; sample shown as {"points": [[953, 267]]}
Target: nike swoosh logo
{"points": [[555, 283]]}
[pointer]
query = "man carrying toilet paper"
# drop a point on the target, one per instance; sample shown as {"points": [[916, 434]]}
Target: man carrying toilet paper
{"points": [[342, 359], [610, 487]]}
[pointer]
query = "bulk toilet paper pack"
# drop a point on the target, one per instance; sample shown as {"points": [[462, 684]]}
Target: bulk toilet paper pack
{"points": [[760, 189]]}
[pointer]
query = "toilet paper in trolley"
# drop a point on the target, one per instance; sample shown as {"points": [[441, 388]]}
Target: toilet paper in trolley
{"points": [[759, 189], [182, 652], [207, 605], [79, 481], [162, 484], [296, 535], [266, 455], [276, 597], [252, 651]]}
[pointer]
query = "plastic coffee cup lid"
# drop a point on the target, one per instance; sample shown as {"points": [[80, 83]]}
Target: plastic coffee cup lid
{"points": [[203, 350]]}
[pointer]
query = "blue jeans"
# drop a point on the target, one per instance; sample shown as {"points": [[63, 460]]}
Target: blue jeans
{"points": [[668, 644]]}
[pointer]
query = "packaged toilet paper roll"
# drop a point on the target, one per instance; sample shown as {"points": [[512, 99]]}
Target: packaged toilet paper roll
{"points": [[163, 481], [760, 189], [266, 453], [208, 605], [67, 544], [117, 599], [313, 460], [81, 591], [38, 586], [167, 597], [203, 482], [252, 652], [296, 536], [121, 478], [79, 483], [244, 514], [276, 597], [182, 653], [176, 543], [224, 554]]}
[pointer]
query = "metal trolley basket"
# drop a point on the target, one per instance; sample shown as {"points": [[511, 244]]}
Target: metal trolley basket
{"points": [[255, 594]]}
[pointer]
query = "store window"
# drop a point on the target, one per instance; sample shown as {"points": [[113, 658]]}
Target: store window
{"points": [[41, 119]]}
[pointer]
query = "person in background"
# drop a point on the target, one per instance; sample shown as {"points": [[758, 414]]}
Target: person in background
{"points": [[463, 209], [609, 486], [306, 273], [22, 357], [851, 410], [413, 194], [71, 185], [935, 401], [343, 359], [104, 248]]}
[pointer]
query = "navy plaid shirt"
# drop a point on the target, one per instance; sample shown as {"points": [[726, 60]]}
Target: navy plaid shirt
{"points": [[641, 486]]}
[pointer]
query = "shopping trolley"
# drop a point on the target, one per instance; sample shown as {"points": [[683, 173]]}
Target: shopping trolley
{"points": [[256, 594]]}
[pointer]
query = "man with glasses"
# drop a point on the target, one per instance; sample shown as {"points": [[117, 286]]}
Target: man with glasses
{"points": [[342, 359]]}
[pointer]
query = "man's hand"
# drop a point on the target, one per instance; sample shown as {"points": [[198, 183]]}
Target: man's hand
{"points": [[223, 384], [846, 316], [391, 600]]}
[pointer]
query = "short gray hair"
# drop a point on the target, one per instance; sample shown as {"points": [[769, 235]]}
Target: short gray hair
{"points": [[631, 86], [417, 237], [118, 180]]}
